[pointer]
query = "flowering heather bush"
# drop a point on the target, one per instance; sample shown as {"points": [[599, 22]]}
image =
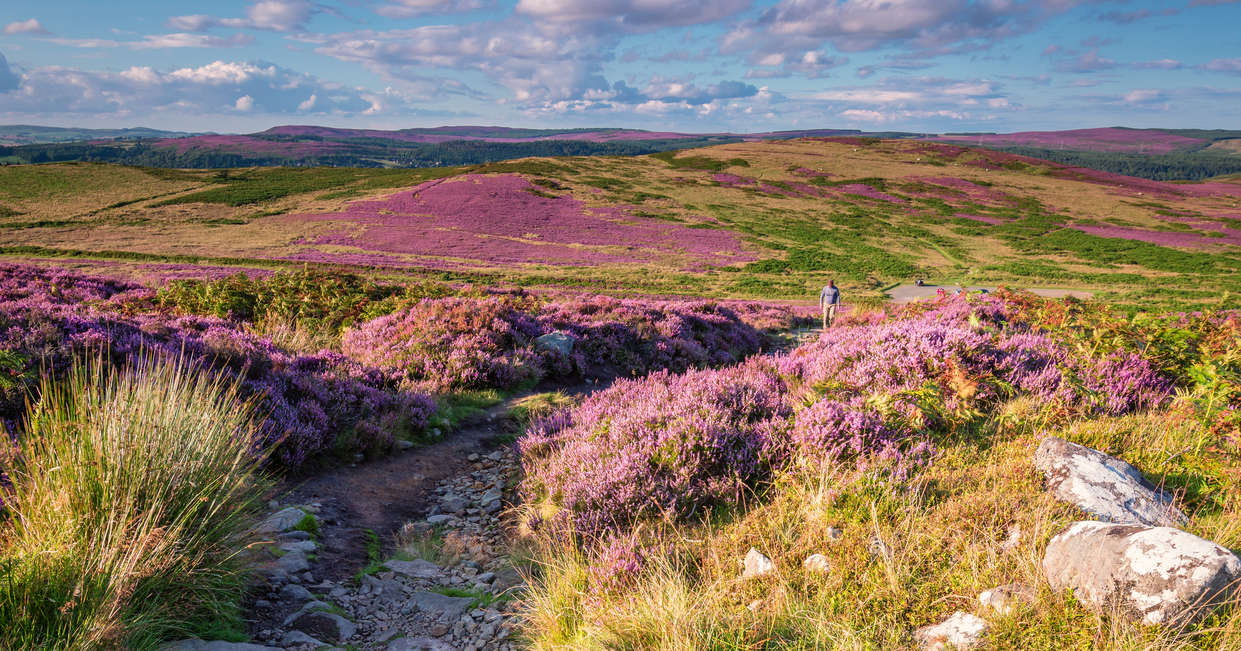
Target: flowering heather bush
{"points": [[488, 342], [666, 444], [451, 342], [873, 390], [313, 403]]}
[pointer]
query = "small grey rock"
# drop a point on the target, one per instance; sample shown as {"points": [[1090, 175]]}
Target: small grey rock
{"points": [[416, 569], [961, 631], [816, 563], [1003, 599], [195, 644], [439, 519], [296, 594], [297, 637], [282, 520], [441, 607], [756, 564]]}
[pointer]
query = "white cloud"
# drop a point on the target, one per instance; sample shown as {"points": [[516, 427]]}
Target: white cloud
{"points": [[158, 41], [30, 26], [862, 115], [1144, 96], [410, 8], [870, 96], [271, 15], [1232, 66], [218, 87], [630, 15]]}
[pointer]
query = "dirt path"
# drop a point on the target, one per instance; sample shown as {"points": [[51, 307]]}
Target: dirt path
{"points": [[909, 293], [384, 494]]}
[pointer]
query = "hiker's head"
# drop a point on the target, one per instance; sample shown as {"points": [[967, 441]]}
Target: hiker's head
{"points": [[831, 283]]}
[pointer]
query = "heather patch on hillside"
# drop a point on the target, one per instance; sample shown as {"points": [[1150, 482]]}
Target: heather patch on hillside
{"points": [[314, 404], [876, 480], [879, 390], [465, 342], [503, 218]]}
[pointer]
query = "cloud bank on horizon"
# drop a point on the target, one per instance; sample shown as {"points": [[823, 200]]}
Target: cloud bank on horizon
{"points": [[724, 65]]}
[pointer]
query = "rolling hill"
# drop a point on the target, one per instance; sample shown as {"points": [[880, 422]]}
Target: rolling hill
{"points": [[771, 219]]}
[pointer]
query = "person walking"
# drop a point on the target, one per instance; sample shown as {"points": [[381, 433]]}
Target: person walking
{"points": [[829, 300]]}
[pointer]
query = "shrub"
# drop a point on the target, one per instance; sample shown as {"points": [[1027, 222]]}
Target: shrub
{"points": [[130, 495]]}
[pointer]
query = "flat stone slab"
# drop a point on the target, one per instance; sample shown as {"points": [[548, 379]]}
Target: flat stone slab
{"points": [[1160, 575], [1103, 486], [442, 607], [415, 569], [282, 520]]}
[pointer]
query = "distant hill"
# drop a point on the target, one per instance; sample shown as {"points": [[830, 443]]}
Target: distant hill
{"points": [[28, 134], [315, 146], [1159, 154]]}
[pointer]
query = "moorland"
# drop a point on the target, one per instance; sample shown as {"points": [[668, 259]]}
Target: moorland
{"points": [[679, 457]]}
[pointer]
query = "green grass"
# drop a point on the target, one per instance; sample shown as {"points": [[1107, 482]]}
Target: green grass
{"points": [[132, 493], [481, 598], [258, 185]]}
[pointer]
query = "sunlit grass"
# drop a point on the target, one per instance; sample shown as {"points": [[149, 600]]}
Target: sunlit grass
{"points": [[132, 491]]}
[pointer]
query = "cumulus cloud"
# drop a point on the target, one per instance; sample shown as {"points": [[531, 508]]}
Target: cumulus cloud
{"points": [[1162, 64], [630, 15], [220, 86], [1127, 17], [8, 79], [1088, 61], [1145, 96], [410, 8], [270, 15], [1232, 66], [30, 26], [159, 41]]}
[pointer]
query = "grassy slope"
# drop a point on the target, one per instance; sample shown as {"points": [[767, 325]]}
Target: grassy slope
{"points": [[799, 240]]}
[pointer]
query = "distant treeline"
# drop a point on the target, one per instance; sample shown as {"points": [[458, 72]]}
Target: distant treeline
{"points": [[359, 152], [1174, 166]]}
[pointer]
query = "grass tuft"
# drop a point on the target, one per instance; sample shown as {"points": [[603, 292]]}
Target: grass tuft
{"points": [[131, 494]]}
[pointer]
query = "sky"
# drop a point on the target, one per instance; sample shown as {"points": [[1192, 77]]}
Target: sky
{"points": [[696, 66]]}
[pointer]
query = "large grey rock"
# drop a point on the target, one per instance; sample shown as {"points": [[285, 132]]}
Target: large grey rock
{"points": [[559, 342], [325, 626], [441, 607], [961, 631], [282, 520], [195, 644], [296, 594], [415, 569], [1103, 486], [1156, 574]]}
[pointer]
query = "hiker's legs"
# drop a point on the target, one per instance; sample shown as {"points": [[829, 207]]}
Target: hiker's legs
{"points": [[826, 307], [829, 314]]}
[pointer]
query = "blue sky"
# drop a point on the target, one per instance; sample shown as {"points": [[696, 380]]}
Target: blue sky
{"points": [[711, 65]]}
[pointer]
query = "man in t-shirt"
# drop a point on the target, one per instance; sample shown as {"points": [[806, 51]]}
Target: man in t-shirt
{"points": [[829, 299]]}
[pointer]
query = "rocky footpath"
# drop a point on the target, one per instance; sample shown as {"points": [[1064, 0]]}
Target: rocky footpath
{"points": [[448, 585]]}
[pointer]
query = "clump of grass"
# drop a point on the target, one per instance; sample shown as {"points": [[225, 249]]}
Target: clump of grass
{"points": [[131, 492]]}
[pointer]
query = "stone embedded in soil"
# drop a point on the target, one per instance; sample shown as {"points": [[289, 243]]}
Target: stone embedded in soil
{"points": [[1103, 486], [756, 564], [442, 607], [325, 626], [292, 638], [282, 520], [961, 631], [293, 563], [416, 569], [1005, 598], [295, 594], [816, 563], [1159, 575]]}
